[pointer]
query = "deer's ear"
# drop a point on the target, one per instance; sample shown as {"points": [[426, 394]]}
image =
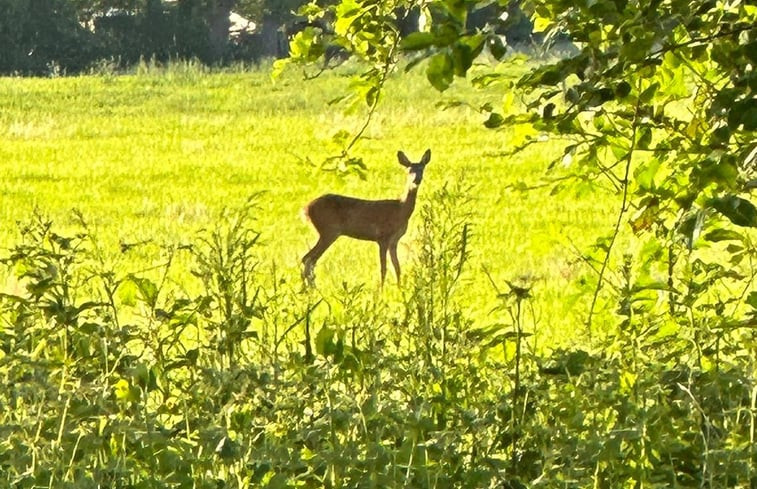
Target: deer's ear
{"points": [[426, 157], [403, 159]]}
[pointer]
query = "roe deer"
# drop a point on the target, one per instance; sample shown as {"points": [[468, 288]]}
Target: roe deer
{"points": [[382, 221]]}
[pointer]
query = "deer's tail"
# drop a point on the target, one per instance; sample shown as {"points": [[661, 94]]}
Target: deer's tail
{"points": [[305, 213]]}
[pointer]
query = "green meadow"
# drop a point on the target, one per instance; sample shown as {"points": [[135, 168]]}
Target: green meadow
{"points": [[157, 155], [157, 333]]}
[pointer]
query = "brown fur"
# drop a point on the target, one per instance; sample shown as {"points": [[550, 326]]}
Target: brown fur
{"points": [[382, 221]]}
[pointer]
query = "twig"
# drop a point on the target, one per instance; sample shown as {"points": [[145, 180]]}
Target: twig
{"points": [[388, 64], [621, 213]]}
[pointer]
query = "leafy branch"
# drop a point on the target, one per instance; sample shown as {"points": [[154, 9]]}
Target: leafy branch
{"points": [[618, 222]]}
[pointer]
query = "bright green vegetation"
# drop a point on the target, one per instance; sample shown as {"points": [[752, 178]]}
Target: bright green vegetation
{"points": [[166, 344], [157, 156]]}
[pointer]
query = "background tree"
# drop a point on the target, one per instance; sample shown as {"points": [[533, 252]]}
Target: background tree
{"points": [[44, 37], [271, 17], [274, 17], [41, 37]]}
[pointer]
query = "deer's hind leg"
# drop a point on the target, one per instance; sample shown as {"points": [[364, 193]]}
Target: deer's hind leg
{"points": [[395, 261], [312, 256]]}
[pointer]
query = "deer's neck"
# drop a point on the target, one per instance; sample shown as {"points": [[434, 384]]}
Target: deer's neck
{"points": [[408, 200]]}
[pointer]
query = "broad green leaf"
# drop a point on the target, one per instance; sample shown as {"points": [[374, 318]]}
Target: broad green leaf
{"points": [[717, 169], [648, 283], [673, 77], [667, 329], [278, 68], [147, 290], [487, 79], [417, 41], [627, 381], [497, 47], [346, 13], [652, 249], [508, 99], [721, 234], [618, 148], [739, 211], [691, 227], [465, 52], [494, 121], [324, 341], [514, 335], [278, 481], [601, 121], [647, 95], [445, 34], [462, 59], [343, 25], [125, 391], [541, 24], [347, 8], [305, 45], [127, 293], [550, 77], [752, 299], [644, 174], [457, 8], [440, 71], [644, 137]]}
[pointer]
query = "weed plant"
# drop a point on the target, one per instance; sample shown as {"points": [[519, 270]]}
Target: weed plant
{"points": [[115, 379]]}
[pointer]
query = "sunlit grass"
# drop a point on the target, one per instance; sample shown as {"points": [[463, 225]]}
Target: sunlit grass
{"points": [[155, 156]]}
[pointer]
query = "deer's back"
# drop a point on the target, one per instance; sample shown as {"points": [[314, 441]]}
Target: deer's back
{"points": [[357, 218]]}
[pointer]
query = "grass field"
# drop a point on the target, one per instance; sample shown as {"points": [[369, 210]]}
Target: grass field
{"points": [[158, 154], [120, 371]]}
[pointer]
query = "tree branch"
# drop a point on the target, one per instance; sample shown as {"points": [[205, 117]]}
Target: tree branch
{"points": [[618, 222], [387, 68]]}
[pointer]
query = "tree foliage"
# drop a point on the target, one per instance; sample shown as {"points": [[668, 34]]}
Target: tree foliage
{"points": [[655, 99]]}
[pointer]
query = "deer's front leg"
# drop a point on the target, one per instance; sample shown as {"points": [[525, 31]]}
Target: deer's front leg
{"points": [[312, 256], [382, 257]]}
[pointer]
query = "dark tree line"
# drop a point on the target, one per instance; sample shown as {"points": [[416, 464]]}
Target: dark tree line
{"points": [[40, 37]]}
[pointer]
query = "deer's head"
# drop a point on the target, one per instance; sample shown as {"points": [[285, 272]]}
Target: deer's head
{"points": [[414, 170]]}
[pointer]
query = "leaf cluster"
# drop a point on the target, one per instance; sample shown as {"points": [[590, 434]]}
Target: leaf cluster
{"points": [[114, 377]]}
